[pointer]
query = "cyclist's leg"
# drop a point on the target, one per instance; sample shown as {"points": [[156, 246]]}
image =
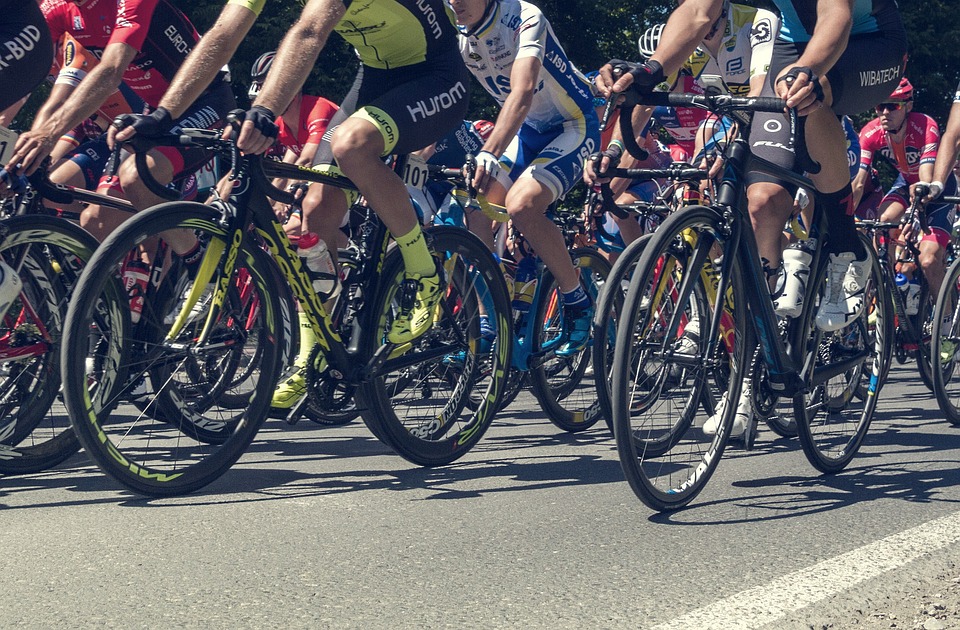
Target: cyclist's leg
{"points": [[933, 246]]}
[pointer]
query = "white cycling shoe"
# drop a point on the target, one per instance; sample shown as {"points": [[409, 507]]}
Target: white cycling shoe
{"points": [[741, 419], [846, 289]]}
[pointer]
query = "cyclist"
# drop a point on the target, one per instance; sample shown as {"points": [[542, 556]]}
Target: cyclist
{"points": [[909, 140], [29, 50], [830, 57], [410, 91], [546, 125], [141, 43]]}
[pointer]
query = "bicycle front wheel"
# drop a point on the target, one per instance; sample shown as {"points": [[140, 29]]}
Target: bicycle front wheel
{"points": [[666, 384], [145, 396], [843, 371], [49, 254], [434, 398], [945, 346]]}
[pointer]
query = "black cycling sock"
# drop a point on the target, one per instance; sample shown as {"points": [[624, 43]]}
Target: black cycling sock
{"points": [[838, 208]]}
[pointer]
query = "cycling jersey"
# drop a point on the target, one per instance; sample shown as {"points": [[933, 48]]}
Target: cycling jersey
{"points": [[853, 146], [27, 50], [800, 17], [516, 30], [160, 33], [315, 115], [745, 50], [391, 33], [919, 145]]}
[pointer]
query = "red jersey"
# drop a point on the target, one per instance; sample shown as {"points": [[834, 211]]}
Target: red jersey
{"points": [[161, 34], [315, 115], [919, 145]]}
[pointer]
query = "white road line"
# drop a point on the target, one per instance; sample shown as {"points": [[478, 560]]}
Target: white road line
{"points": [[761, 605]]}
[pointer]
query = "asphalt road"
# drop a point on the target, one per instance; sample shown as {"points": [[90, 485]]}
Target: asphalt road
{"points": [[320, 527]]}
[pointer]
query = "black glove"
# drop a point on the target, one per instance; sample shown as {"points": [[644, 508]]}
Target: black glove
{"points": [[795, 72], [263, 120], [646, 76], [157, 123]]}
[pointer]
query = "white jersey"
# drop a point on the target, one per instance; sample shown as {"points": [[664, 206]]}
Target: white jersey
{"points": [[518, 29]]}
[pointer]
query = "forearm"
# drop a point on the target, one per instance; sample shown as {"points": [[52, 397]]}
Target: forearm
{"points": [[298, 53], [949, 145], [829, 40], [686, 28], [84, 101], [509, 121], [58, 97], [858, 185], [212, 52]]}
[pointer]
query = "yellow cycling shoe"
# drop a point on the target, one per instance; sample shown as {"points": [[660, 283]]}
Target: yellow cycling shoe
{"points": [[416, 315], [289, 391]]}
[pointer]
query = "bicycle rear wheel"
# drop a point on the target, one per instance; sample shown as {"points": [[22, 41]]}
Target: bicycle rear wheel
{"points": [[184, 437], [559, 384], [923, 321], [833, 417], [49, 254], [433, 399], [665, 389], [945, 346]]}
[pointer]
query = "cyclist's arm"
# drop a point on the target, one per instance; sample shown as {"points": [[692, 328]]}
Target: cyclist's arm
{"points": [[859, 184], [762, 36], [7, 116], [949, 144], [307, 154], [102, 81], [295, 58], [638, 120], [685, 29], [829, 40], [211, 53]]}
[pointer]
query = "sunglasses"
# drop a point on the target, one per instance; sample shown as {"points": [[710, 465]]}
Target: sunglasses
{"points": [[893, 107]]}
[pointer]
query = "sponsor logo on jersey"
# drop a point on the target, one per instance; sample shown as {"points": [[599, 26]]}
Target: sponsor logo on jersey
{"points": [[762, 32], [445, 100], [77, 23], [869, 78]]}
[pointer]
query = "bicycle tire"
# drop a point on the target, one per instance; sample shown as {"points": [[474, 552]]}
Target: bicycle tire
{"points": [[946, 330], [421, 407], [35, 427], [832, 419], [605, 323], [923, 322], [653, 404], [559, 384], [106, 356]]}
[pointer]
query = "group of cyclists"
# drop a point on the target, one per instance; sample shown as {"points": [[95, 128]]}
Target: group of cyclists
{"points": [[139, 68]]}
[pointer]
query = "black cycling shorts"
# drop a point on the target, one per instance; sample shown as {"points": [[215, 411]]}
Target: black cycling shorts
{"points": [[866, 73], [413, 106], [26, 51]]}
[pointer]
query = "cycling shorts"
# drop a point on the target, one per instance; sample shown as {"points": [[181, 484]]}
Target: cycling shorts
{"points": [[26, 51], [412, 106], [866, 73], [553, 157], [939, 215]]}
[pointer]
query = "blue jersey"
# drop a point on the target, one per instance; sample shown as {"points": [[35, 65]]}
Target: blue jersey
{"points": [[853, 146], [798, 17]]}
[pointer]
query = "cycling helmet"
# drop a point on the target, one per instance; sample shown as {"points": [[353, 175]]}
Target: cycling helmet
{"points": [[258, 72], [650, 40], [904, 91]]}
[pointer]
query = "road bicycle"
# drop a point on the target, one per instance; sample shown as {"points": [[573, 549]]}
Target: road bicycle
{"points": [[560, 384], [945, 335], [414, 400], [48, 252], [659, 416]]}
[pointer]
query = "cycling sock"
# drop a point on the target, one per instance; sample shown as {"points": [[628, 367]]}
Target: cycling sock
{"points": [[192, 259], [307, 340], [578, 299], [839, 209], [416, 256]]}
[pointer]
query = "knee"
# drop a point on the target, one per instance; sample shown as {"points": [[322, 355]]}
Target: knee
{"points": [[929, 259], [764, 198], [355, 142]]}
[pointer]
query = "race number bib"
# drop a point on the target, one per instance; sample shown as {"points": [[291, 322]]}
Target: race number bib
{"points": [[415, 172], [8, 139]]}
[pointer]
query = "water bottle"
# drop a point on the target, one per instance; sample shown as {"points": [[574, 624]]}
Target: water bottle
{"points": [[913, 296], [316, 257], [136, 274], [525, 284], [796, 271]]}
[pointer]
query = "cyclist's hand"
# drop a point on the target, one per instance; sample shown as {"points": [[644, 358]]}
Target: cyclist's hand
{"points": [[801, 88], [126, 126], [597, 165], [259, 131], [31, 149], [488, 166], [619, 76], [926, 192], [713, 162]]}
